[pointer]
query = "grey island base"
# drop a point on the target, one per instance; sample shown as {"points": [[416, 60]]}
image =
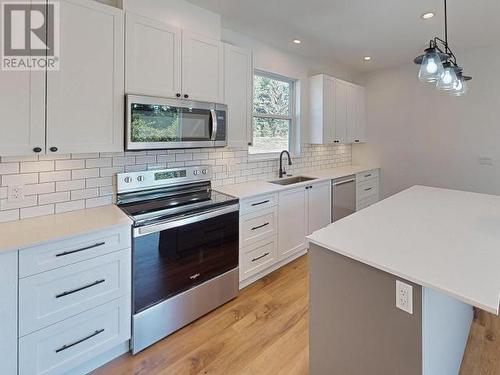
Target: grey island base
{"points": [[442, 245]]}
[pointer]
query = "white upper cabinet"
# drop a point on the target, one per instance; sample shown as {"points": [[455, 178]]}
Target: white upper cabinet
{"points": [[238, 83], [85, 97], [337, 111], [202, 68], [22, 110], [153, 57]]}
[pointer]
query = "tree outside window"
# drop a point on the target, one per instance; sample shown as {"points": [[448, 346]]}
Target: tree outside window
{"points": [[273, 117]]}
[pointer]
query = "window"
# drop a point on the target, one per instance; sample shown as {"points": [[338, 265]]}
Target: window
{"points": [[273, 113]]}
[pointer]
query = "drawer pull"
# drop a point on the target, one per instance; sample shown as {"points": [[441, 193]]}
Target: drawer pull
{"points": [[260, 226], [368, 175], [64, 347], [81, 288], [82, 249], [259, 203], [262, 256], [368, 189]]}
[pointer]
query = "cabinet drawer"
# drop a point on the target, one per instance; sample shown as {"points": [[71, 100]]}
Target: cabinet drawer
{"points": [[258, 257], [363, 176], [363, 203], [46, 257], [52, 296], [258, 203], [66, 345], [366, 189], [257, 225]]}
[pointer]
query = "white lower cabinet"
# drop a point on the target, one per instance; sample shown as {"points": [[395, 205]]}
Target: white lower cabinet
{"points": [[8, 313], [367, 189], [319, 206], [273, 227], [292, 221], [59, 348], [68, 310]]}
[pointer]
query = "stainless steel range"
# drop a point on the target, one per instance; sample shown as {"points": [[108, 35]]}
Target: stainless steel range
{"points": [[185, 248]]}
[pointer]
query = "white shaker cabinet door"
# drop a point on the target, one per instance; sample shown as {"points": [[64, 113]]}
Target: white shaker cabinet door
{"points": [[85, 97], [319, 206], [238, 82], [340, 111], [8, 313], [292, 221], [202, 68], [153, 57], [22, 110]]}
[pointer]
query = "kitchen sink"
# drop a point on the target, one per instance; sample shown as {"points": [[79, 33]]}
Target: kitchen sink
{"points": [[292, 180]]}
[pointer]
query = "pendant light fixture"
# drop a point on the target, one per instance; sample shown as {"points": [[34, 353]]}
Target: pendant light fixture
{"points": [[438, 65]]}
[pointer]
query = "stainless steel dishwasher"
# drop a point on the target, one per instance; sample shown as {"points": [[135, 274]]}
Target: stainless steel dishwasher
{"points": [[343, 197]]}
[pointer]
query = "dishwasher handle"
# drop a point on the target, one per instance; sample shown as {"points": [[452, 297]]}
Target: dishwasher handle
{"points": [[343, 182]]}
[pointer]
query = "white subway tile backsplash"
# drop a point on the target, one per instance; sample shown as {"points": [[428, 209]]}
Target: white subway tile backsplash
{"points": [[9, 168], [19, 179], [61, 196], [89, 179], [84, 194], [37, 166], [37, 211], [35, 189], [70, 206], [55, 176], [70, 164], [80, 174], [70, 185]]}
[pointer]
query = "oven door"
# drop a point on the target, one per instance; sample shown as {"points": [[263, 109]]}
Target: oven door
{"points": [[158, 123], [172, 257]]}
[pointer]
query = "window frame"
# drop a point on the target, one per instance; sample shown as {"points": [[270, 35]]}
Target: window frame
{"points": [[292, 117]]}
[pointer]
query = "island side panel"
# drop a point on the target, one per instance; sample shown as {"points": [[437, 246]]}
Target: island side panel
{"points": [[355, 327]]}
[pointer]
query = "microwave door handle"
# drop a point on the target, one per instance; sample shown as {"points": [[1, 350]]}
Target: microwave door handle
{"points": [[213, 114]]}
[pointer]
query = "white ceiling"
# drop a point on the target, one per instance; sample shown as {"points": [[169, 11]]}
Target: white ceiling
{"points": [[391, 31]]}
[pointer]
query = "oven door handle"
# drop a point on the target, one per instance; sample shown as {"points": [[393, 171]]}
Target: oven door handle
{"points": [[185, 220], [213, 114]]}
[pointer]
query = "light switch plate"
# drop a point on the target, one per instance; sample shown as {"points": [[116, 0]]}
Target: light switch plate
{"points": [[404, 297]]}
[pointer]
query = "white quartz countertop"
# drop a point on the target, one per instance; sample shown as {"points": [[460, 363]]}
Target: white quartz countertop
{"points": [[20, 234], [254, 188], [447, 240]]}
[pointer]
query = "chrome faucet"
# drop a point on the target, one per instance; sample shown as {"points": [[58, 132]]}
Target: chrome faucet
{"points": [[282, 169]]}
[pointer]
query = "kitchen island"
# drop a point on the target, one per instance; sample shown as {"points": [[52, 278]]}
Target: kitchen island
{"points": [[442, 244]]}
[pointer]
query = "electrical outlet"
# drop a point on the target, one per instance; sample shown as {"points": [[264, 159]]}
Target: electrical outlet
{"points": [[404, 297], [15, 193]]}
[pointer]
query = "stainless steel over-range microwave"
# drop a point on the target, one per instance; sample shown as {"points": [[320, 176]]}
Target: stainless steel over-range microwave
{"points": [[161, 123]]}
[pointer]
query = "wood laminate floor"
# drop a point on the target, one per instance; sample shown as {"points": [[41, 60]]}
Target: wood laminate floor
{"points": [[263, 331]]}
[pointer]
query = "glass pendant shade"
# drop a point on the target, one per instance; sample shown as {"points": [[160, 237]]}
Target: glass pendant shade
{"points": [[431, 68], [460, 88], [448, 79]]}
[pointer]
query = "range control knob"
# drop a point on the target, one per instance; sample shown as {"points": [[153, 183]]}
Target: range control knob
{"points": [[204, 171], [140, 178], [127, 180]]}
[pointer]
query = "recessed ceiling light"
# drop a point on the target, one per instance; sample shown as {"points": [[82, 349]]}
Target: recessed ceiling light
{"points": [[297, 41], [367, 58], [427, 15]]}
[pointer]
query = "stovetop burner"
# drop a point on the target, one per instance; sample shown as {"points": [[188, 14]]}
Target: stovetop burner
{"points": [[152, 196]]}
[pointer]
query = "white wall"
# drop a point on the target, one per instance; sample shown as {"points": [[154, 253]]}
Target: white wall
{"points": [[277, 61], [178, 13], [422, 136]]}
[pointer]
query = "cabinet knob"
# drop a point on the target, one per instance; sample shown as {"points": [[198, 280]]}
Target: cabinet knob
{"points": [[178, 95], [53, 149], [356, 140], [335, 141], [186, 96], [37, 149]]}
